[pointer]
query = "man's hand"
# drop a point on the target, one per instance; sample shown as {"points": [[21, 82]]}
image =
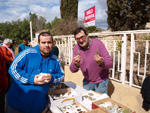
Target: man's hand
{"points": [[76, 60], [42, 78], [99, 60]]}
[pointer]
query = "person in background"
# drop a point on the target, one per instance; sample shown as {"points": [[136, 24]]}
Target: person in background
{"points": [[33, 70], [24, 45], [55, 49], [145, 92], [12, 48], [3, 82], [9, 56], [1, 43], [91, 56]]}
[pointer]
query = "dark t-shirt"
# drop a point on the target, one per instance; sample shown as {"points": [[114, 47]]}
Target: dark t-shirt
{"points": [[55, 50]]}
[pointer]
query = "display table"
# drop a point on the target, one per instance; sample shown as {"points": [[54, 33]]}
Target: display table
{"points": [[80, 91], [70, 97]]}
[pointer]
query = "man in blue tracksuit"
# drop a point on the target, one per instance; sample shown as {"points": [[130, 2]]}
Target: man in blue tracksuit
{"points": [[33, 70]]}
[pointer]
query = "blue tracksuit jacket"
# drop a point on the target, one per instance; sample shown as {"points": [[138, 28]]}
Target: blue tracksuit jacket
{"points": [[23, 95]]}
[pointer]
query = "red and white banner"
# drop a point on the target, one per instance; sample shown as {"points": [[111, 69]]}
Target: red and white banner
{"points": [[89, 17]]}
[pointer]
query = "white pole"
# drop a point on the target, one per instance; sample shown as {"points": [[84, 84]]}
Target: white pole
{"points": [[131, 59], [123, 58], [31, 30]]}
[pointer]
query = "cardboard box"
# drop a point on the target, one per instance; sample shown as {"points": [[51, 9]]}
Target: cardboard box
{"points": [[59, 91], [68, 105], [96, 111], [63, 93], [97, 103], [92, 96], [60, 88], [56, 93], [71, 105]]}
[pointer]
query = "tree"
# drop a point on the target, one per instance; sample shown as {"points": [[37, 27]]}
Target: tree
{"points": [[65, 27], [33, 19], [55, 22], [68, 22], [41, 23], [16, 30], [25, 29], [69, 8], [5, 28], [128, 14], [48, 26], [38, 23], [92, 29]]}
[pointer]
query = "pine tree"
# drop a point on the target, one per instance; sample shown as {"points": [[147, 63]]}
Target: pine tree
{"points": [[128, 14], [69, 9], [69, 16]]}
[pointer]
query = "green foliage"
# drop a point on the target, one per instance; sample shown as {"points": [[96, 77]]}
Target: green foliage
{"points": [[53, 32], [128, 14], [48, 26], [69, 14], [92, 29], [68, 22], [65, 27], [15, 30], [33, 19], [5, 28], [55, 22], [119, 44], [38, 23], [69, 8], [42, 22], [146, 37], [25, 29]]}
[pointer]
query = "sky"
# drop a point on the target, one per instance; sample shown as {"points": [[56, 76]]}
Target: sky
{"points": [[49, 9]]}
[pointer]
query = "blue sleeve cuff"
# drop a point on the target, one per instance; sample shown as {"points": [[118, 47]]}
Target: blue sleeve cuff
{"points": [[52, 80], [31, 79]]}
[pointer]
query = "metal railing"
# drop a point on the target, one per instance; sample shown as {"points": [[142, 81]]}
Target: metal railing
{"points": [[127, 68]]}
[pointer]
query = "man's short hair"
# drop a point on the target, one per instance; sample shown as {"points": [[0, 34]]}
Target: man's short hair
{"points": [[79, 29], [25, 39], [45, 34]]}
